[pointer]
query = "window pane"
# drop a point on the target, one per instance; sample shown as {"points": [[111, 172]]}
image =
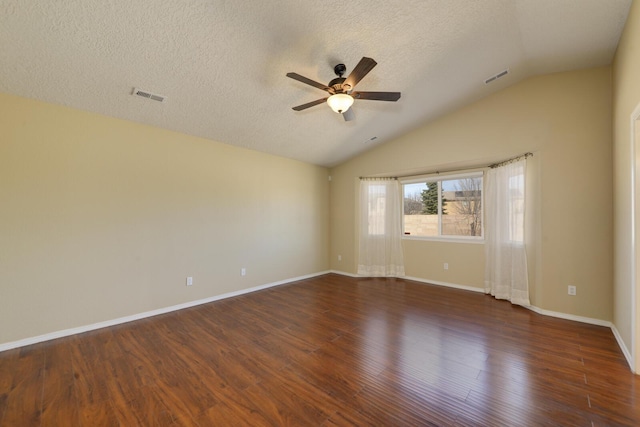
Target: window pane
{"points": [[421, 209], [462, 207]]}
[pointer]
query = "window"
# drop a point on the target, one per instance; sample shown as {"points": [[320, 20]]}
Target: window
{"points": [[443, 206]]}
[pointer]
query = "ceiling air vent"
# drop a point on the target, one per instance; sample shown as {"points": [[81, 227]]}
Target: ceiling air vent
{"points": [[148, 95], [497, 76]]}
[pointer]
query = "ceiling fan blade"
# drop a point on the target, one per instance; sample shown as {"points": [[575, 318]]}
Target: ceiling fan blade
{"points": [[349, 115], [362, 69], [303, 79], [310, 104], [377, 96]]}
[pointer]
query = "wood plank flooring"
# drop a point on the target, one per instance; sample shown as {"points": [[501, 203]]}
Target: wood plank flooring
{"points": [[328, 351]]}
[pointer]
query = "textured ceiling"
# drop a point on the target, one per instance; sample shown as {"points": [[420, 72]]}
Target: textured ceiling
{"points": [[222, 63]]}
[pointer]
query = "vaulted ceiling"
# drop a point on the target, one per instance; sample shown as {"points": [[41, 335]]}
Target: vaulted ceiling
{"points": [[221, 64]]}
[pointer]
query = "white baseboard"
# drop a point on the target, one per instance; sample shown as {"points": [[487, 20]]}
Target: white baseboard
{"points": [[344, 273], [623, 347], [418, 279], [120, 320], [446, 284], [573, 317]]}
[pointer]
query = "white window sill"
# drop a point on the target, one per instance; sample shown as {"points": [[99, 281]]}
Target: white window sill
{"points": [[452, 239]]}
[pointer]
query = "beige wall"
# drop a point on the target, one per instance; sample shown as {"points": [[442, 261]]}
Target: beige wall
{"points": [[565, 119], [102, 218], [626, 97]]}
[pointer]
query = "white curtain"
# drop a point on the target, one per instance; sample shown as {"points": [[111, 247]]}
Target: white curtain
{"points": [[505, 256], [380, 229]]}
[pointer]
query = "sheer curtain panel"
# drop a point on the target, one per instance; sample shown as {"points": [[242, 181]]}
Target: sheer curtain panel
{"points": [[380, 229], [506, 274]]}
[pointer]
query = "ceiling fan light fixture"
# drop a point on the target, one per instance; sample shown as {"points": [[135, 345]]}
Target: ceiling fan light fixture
{"points": [[340, 102]]}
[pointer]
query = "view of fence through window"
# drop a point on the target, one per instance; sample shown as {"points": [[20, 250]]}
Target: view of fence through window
{"points": [[446, 207]]}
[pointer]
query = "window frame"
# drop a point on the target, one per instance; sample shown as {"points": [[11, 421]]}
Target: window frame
{"points": [[439, 178]]}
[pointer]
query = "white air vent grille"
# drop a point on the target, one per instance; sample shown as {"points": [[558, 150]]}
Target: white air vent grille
{"points": [[497, 76], [148, 95]]}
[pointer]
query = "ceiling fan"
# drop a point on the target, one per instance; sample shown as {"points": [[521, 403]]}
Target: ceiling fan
{"points": [[341, 88]]}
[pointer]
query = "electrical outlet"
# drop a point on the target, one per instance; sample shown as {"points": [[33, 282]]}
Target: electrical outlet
{"points": [[446, 265], [189, 281], [243, 271], [572, 290], [339, 257]]}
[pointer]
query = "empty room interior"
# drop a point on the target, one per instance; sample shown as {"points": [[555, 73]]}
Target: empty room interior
{"points": [[204, 221]]}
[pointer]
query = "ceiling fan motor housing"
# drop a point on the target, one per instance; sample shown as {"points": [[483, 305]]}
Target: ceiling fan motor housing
{"points": [[336, 84]]}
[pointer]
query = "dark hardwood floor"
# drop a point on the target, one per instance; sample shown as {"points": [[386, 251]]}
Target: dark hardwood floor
{"points": [[328, 351]]}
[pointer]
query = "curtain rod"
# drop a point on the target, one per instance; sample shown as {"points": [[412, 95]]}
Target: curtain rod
{"points": [[492, 166], [378, 178], [514, 159]]}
